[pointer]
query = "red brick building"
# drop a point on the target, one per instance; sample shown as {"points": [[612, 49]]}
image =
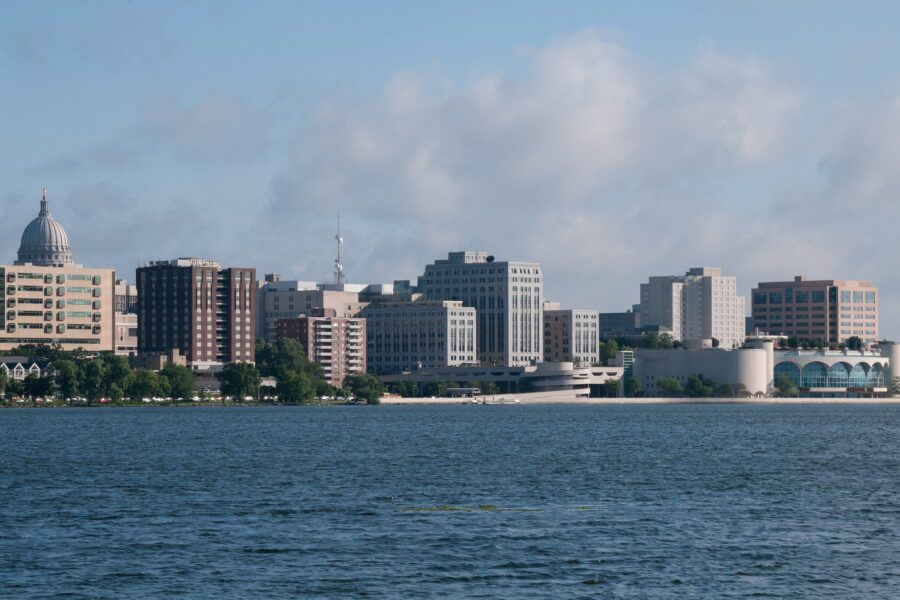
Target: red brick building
{"points": [[336, 343]]}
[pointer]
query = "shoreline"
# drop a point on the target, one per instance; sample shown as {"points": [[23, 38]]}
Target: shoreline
{"points": [[500, 401]]}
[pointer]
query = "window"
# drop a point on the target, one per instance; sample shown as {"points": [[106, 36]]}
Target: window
{"points": [[759, 297], [818, 296]]}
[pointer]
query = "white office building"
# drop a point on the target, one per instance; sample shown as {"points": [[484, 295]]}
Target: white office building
{"points": [[509, 298], [408, 335], [701, 304]]}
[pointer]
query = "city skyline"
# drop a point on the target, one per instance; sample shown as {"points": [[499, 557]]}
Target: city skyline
{"points": [[604, 145]]}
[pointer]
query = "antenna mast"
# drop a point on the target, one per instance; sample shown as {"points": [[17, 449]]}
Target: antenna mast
{"points": [[338, 267]]}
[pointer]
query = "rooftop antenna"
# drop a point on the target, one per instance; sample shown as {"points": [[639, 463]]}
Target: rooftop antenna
{"points": [[338, 267]]}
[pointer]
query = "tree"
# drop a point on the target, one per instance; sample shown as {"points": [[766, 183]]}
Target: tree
{"points": [[3, 380], [666, 341], [489, 388], [295, 387], [723, 390], [739, 390], [67, 376], [611, 388], [365, 386], [14, 388], [854, 343], [181, 381], [408, 388], [632, 386], [608, 351], [669, 386], [117, 375], [436, 389], [786, 386], [696, 387], [147, 384], [35, 386], [652, 340], [715, 342], [93, 376], [238, 379]]}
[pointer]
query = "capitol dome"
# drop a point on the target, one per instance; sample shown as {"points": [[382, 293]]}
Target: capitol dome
{"points": [[44, 241]]}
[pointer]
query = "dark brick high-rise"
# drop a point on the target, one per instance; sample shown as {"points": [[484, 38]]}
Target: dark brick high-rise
{"points": [[203, 310]]}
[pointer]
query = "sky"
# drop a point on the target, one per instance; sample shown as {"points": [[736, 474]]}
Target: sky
{"points": [[609, 141]]}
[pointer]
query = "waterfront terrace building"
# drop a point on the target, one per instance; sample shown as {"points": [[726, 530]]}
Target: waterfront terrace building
{"points": [[701, 304], [197, 307], [508, 297], [48, 299], [830, 310], [338, 344], [406, 335], [571, 336]]}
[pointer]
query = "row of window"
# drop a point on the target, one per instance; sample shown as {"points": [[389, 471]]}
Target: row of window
{"points": [[60, 278], [48, 328]]}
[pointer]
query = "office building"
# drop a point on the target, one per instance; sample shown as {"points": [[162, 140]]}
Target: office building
{"points": [[338, 344], [508, 297], [571, 335], [406, 335], [126, 334], [701, 304], [197, 307], [277, 299], [829, 310], [126, 297]]}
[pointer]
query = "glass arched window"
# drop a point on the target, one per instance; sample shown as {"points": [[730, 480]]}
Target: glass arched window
{"points": [[876, 376], [789, 369], [859, 376], [814, 375], [838, 375]]}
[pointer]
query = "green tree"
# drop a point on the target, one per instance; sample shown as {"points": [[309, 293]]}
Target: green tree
{"points": [[181, 380], [365, 386], [436, 389], [610, 349], [611, 388], [723, 390], [238, 379], [147, 384], [632, 386], [652, 340], [697, 388], [785, 386], [715, 342], [67, 376], [489, 388], [38, 387], [669, 386], [93, 376], [3, 381], [854, 343], [324, 389], [14, 388], [666, 341], [117, 373], [295, 387], [739, 390], [408, 388]]}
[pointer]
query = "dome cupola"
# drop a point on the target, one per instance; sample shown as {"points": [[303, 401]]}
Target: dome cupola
{"points": [[44, 241]]}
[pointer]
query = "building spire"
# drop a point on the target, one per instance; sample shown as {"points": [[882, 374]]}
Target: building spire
{"points": [[338, 267], [45, 206]]}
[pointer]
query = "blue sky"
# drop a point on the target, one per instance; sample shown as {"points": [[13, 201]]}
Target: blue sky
{"points": [[609, 141]]}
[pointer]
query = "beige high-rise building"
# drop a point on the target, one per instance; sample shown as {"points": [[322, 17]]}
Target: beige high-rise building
{"points": [[701, 304], [48, 299], [571, 335], [337, 344]]}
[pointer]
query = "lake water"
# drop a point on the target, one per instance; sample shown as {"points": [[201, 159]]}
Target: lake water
{"points": [[508, 502]]}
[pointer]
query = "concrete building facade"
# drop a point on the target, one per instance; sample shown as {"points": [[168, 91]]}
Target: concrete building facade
{"points": [[338, 344], [830, 310], [69, 305], [571, 336], [509, 298], [404, 336], [701, 304], [197, 307]]}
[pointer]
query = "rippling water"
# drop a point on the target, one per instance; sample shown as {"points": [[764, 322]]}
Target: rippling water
{"points": [[451, 502]]}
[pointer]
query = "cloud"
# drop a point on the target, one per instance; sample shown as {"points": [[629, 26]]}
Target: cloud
{"points": [[591, 162]]}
